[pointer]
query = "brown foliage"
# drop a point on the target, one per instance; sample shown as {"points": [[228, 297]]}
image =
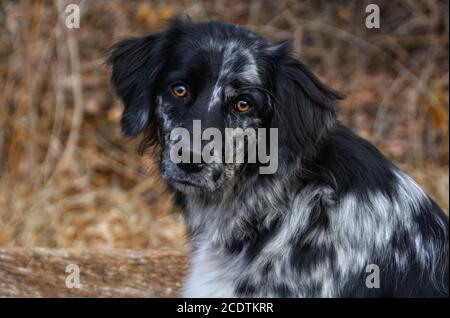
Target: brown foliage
{"points": [[69, 179]]}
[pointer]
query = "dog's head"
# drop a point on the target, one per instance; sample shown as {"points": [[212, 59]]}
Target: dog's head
{"points": [[213, 75]]}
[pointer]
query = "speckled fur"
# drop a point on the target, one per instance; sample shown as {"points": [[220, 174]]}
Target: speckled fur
{"points": [[335, 204]]}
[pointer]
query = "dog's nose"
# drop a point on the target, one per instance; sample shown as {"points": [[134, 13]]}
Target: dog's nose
{"points": [[191, 166]]}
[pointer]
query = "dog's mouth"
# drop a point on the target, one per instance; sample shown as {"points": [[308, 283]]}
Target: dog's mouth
{"points": [[206, 178], [187, 186], [185, 183], [192, 183]]}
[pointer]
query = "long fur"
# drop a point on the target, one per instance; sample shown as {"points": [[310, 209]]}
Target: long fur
{"points": [[334, 206]]}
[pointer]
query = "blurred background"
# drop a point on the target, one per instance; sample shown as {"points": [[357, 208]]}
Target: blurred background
{"points": [[69, 179]]}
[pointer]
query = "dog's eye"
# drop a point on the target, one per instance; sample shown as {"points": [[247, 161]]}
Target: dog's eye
{"points": [[242, 105], [179, 90]]}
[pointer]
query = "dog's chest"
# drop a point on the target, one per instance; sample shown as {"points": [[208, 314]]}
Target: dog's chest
{"points": [[212, 274], [261, 267], [217, 272], [215, 269], [272, 263]]}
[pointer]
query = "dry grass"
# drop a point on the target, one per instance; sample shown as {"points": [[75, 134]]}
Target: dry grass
{"points": [[69, 179]]}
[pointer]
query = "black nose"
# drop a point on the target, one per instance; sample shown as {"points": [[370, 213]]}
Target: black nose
{"points": [[191, 167]]}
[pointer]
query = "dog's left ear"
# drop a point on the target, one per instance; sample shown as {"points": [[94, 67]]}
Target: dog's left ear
{"points": [[136, 63], [304, 107]]}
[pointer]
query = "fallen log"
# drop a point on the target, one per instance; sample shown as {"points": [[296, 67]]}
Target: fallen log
{"points": [[46, 272]]}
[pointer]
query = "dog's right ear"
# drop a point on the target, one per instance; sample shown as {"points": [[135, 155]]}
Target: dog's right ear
{"points": [[136, 63]]}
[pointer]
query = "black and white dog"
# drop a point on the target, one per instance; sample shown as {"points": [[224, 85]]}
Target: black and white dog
{"points": [[333, 212]]}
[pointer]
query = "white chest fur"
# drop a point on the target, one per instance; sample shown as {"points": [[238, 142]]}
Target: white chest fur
{"points": [[210, 275]]}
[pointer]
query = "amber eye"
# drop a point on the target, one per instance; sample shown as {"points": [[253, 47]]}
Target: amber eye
{"points": [[242, 105], [179, 90]]}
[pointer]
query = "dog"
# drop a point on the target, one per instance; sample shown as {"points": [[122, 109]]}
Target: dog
{"points": [[336, 219]]}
